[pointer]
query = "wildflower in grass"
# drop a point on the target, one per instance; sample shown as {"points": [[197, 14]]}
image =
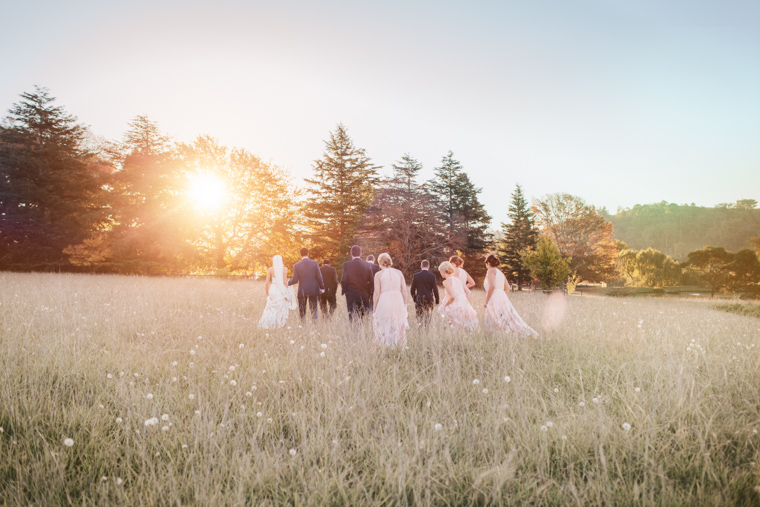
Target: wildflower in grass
{"points": [[101, 407], [549, 424], [121, 373], [485, 391], [165, 417], [241, 346], [192, 352], [249, 394], [109, 376], [582, 404], [165, 428], [151, 422], [556, 390], [476, 382], [292, 342], [68, 442], [324, 345], [191, 396], [595, 400], [233, 383], [269, 420], [137, 375], [293, 452], [200, 337], [1, 430], [158, 454], [197, 412], [544, 428], [174, 363], [259, 414], [626, 426], [119, 481], [184, 446], [192, 364], [321, 354], [131, 383], [637, 390], [174, 379], [507, 379], [564, 437], [103, 479], [149, 396], [232, 368], [119, 420], [438, 426]]}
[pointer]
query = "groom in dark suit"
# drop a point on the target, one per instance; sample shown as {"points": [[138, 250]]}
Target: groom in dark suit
{"points": [[357, 284], [424, 289], [307, 275]]}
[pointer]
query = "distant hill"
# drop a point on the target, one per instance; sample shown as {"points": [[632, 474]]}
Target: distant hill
{"points": [[677, 229]]}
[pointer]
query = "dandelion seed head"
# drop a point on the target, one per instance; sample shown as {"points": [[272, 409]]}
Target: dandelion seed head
{"points": [[637, 389], [581, 404], [68, 442], [293, 452], [192, 352], [438, 426], [595, 400], [544, 428], [269, 420], [241, 346], [103, 479], [321, 354], [324, 345], [476, 382], [485, 391], [259, 414], [165, 417], [549, 424], [149, 396], [556, 390], [626, 426], [232, 368], [164, 428], [249, 394], [109, 376], [233, 383], [507, 379], [119, 420], [564, 437]]}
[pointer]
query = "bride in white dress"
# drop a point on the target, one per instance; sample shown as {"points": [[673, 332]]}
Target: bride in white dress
{"points": [[280, 298], [500, 314]]}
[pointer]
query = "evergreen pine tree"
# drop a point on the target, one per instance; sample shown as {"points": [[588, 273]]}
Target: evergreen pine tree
{"points": [[519, 234], [341, 192], [51, 184], [462, 211]]}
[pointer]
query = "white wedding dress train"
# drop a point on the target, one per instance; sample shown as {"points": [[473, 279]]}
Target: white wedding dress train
{"points": [[280, 301]]}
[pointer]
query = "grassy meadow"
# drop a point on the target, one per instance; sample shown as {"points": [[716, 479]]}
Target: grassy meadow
{"points": [[171, 396]]}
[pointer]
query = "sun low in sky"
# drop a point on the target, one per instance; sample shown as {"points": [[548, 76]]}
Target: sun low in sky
{"points": [[206, 192]]}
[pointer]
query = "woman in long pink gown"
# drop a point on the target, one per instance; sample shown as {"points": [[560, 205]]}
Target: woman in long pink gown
{"points": [[500, 314], [456, 309], [390, 316]]}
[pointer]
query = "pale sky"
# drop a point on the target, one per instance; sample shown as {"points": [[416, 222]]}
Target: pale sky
{"points": [[619, 102]]}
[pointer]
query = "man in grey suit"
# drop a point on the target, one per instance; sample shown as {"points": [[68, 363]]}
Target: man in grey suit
{"points": [[307, 275]]}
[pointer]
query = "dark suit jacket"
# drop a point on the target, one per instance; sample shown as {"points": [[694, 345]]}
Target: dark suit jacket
{"points": [[330, 277], [307, 275], [357, 279], [375, 268], [424, 288]]}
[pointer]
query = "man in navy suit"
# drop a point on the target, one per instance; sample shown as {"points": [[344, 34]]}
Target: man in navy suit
{"points": [[424, 290], [375, 268], [357, 284], [327, 300], [307, 275]]}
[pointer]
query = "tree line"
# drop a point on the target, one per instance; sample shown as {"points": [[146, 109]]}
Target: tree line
{"points": [[71, 201]]}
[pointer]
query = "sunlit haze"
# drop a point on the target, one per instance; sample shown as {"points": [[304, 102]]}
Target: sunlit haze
{"points": [[617, 102], [206, 192]]}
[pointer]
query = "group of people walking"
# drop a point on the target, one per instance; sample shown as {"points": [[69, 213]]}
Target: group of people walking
{"points": [[380, 290]]}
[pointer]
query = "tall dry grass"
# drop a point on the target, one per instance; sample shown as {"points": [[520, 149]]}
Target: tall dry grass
{"points": [[322, 415]]}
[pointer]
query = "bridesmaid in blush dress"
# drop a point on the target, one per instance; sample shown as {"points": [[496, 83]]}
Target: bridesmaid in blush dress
{"points": [[389, 316], [500, 314], [456, 310]]}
